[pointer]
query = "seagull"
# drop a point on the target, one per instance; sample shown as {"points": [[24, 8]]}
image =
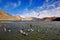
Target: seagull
{"points": [[9, 30], [4, 29], [24, 33]]}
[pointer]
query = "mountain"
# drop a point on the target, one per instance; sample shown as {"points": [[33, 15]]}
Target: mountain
{"points": [[51, 19], [32, 19], [6, 16], [27, 18], [36, 19], [56, 19]]}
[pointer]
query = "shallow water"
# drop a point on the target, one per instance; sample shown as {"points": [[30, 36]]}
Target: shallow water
{"points": [[47, 30]]}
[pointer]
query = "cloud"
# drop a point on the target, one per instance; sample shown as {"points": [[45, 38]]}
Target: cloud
{"points": [[0, 8], [0, 1], [30, 2], [6, 6], [44, 13], [46, 10], [49, 13], [46, 0], [16, 4], [31, 14], [12, 4], [19, 3]]}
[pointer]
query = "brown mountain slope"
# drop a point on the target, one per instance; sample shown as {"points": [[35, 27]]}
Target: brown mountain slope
{"points": [[6, 16], [27, 18], [51, 19], [36, 19], [57, 19]]}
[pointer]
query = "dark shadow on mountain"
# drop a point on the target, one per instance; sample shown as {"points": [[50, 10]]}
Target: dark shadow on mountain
{"points": [[57, 19]]}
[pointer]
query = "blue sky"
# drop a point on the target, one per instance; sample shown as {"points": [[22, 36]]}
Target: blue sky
{"points": [[31, 8]]}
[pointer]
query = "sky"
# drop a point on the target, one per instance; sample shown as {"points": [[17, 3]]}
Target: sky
{"points": [[31, 8]]}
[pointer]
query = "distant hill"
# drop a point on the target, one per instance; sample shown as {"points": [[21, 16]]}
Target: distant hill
{"points": [[51, 19], [36, 19], [6, 16], [27, 18], [32, 19], [56, 19]]}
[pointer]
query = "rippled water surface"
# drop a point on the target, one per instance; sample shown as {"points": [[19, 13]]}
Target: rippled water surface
{"points": [[43, 30]]}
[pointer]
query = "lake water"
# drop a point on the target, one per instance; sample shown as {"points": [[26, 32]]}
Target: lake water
{"points": [[43, 30]]}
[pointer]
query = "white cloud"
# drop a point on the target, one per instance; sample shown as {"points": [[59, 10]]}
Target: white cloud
{"points": [[0, 1], [31, 14], [50, 13], [13, 5], [47, 0], [50, 4], [0, 8], [6, 6], [57, 3], [44, 13], [19, 3], [16, 4], [30, 2]]}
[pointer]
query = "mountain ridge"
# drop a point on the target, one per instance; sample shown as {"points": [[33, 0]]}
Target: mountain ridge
{"points": [[6, 16]]}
